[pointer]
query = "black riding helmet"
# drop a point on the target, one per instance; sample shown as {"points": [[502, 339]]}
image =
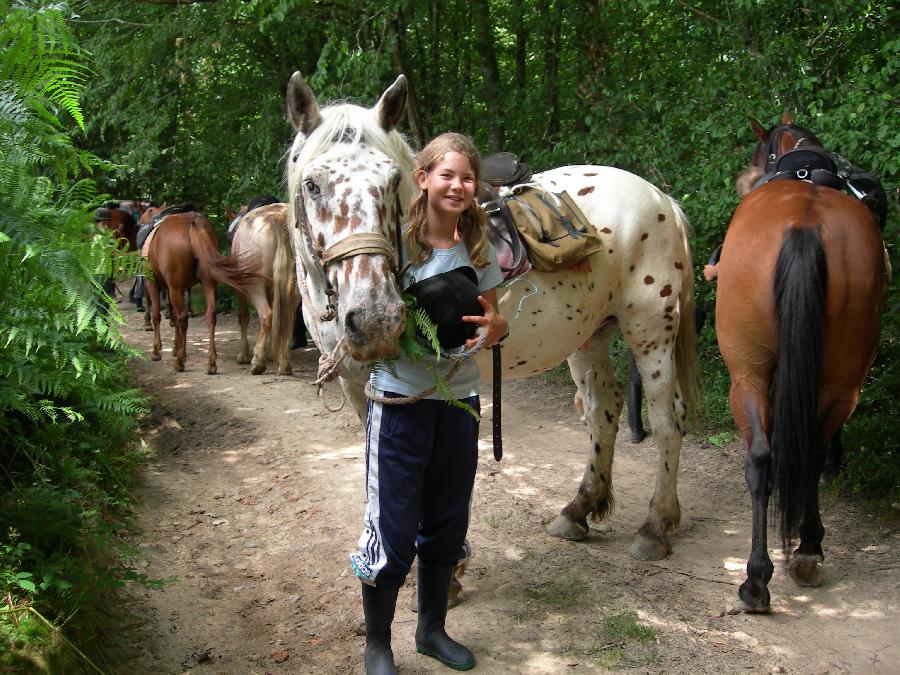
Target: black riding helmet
{"points": [[446, 298]]}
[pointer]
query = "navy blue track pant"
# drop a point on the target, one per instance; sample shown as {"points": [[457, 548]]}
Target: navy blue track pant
{"points": [[420, 469]]}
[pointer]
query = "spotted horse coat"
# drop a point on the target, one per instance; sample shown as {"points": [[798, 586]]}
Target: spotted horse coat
{"points": [[350, 173]]}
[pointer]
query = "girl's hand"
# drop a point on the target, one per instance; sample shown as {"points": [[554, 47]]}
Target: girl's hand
{"points": [[496, 324]]}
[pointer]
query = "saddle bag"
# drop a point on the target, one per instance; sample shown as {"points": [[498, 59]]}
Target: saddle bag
{"points": [[554, 229]]}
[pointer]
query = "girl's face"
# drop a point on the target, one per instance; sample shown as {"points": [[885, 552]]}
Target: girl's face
{"points": [[450, 185]]}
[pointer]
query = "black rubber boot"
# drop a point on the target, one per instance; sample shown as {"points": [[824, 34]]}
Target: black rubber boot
{"points": [[635, 423], [378, 607], [299, 338], [431, 636]]}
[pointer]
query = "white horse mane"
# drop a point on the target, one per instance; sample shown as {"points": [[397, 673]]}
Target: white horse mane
{"points": [[345, 124]]}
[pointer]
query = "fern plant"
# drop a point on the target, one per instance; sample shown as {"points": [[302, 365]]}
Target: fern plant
{"points": [[418, 350], [67, 414]]}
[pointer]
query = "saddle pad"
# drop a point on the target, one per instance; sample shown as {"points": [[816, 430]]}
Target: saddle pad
{"points": [[145, 249], [555, 231]]}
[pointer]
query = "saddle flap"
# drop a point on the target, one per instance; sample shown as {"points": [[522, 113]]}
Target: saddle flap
{"points": [[504, 168]]}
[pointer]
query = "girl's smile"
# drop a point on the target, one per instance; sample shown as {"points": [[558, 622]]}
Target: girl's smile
{"points": [[450, 186]]}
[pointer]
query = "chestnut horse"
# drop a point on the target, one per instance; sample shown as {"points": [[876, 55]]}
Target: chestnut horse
{"points": [[262, 236], [183, 250], [801, 286]]}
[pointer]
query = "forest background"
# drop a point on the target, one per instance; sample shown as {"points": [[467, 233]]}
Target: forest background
{"points": [[180, 100]]}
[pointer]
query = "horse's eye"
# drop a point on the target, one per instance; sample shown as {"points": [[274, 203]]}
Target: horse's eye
{"points": [[312, 188]]}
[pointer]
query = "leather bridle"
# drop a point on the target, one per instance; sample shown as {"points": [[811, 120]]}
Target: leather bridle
{"points": [[361, 243]]}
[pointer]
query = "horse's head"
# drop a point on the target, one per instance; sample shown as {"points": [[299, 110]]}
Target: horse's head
{"points": [[349, 181], [773, 143], [149, 214], [120, 223]]}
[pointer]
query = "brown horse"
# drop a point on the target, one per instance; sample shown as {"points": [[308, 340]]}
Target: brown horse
{"points": [[802, 279], [121, 223], [183, 251], [262, 236]]}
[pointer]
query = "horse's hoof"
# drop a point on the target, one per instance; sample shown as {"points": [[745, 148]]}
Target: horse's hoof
{"points": [[244, 360], [563, 528], [258, 369], [212, 370], [179, 367], [644, 548], [148, 329], [807, 570], [286, 371], [741, 606], [156, 357]]}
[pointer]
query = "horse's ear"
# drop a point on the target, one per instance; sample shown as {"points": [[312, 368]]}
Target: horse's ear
{"points": [[787, 117], [303, 109], [758, 129], [229, 214], [392, 104]]}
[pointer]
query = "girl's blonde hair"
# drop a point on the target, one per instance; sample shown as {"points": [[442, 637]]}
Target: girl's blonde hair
{"points": [[472, 222]]}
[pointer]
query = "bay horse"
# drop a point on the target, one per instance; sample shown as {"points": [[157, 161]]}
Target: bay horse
{"points": [[262, 236], [801, 288], [183, 250], [350, 179]]}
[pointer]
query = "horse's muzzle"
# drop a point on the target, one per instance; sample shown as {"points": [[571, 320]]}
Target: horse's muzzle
{"points": [[374, 335]]}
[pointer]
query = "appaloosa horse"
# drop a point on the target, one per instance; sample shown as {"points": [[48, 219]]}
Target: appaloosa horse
{"points": [[350, 178], [801, 285], [262, 236], [183, 250]]}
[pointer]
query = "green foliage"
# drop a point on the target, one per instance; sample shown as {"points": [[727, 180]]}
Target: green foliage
{"points": [[190, 99], [66, 413]]}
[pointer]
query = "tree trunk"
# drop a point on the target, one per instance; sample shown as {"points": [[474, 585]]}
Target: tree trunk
{"points": [[484, 43], [551, 19], [521, 43]]}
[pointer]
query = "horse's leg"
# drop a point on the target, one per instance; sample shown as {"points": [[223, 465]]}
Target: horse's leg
{"points": [[154, 316], [834, 454], [243, 320], [209, 292], [806, 562], [180, 321], [754, 592], [666, 412], [592, 371], [264, 310]]}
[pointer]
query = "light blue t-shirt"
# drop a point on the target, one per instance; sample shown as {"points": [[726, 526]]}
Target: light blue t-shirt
{"points": [[412, 376]]}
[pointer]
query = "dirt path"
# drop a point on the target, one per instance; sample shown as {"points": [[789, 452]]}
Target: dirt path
{"points": [[254, 496]]}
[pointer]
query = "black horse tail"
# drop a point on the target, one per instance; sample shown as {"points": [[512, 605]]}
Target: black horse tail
{"points": [[801, 281]]}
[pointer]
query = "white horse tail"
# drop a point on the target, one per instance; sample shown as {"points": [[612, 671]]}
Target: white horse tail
{"points": [[686, 340], [284, 289]]}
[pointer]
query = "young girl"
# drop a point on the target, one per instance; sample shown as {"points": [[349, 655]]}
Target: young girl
{"points": [[421, 457]]}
